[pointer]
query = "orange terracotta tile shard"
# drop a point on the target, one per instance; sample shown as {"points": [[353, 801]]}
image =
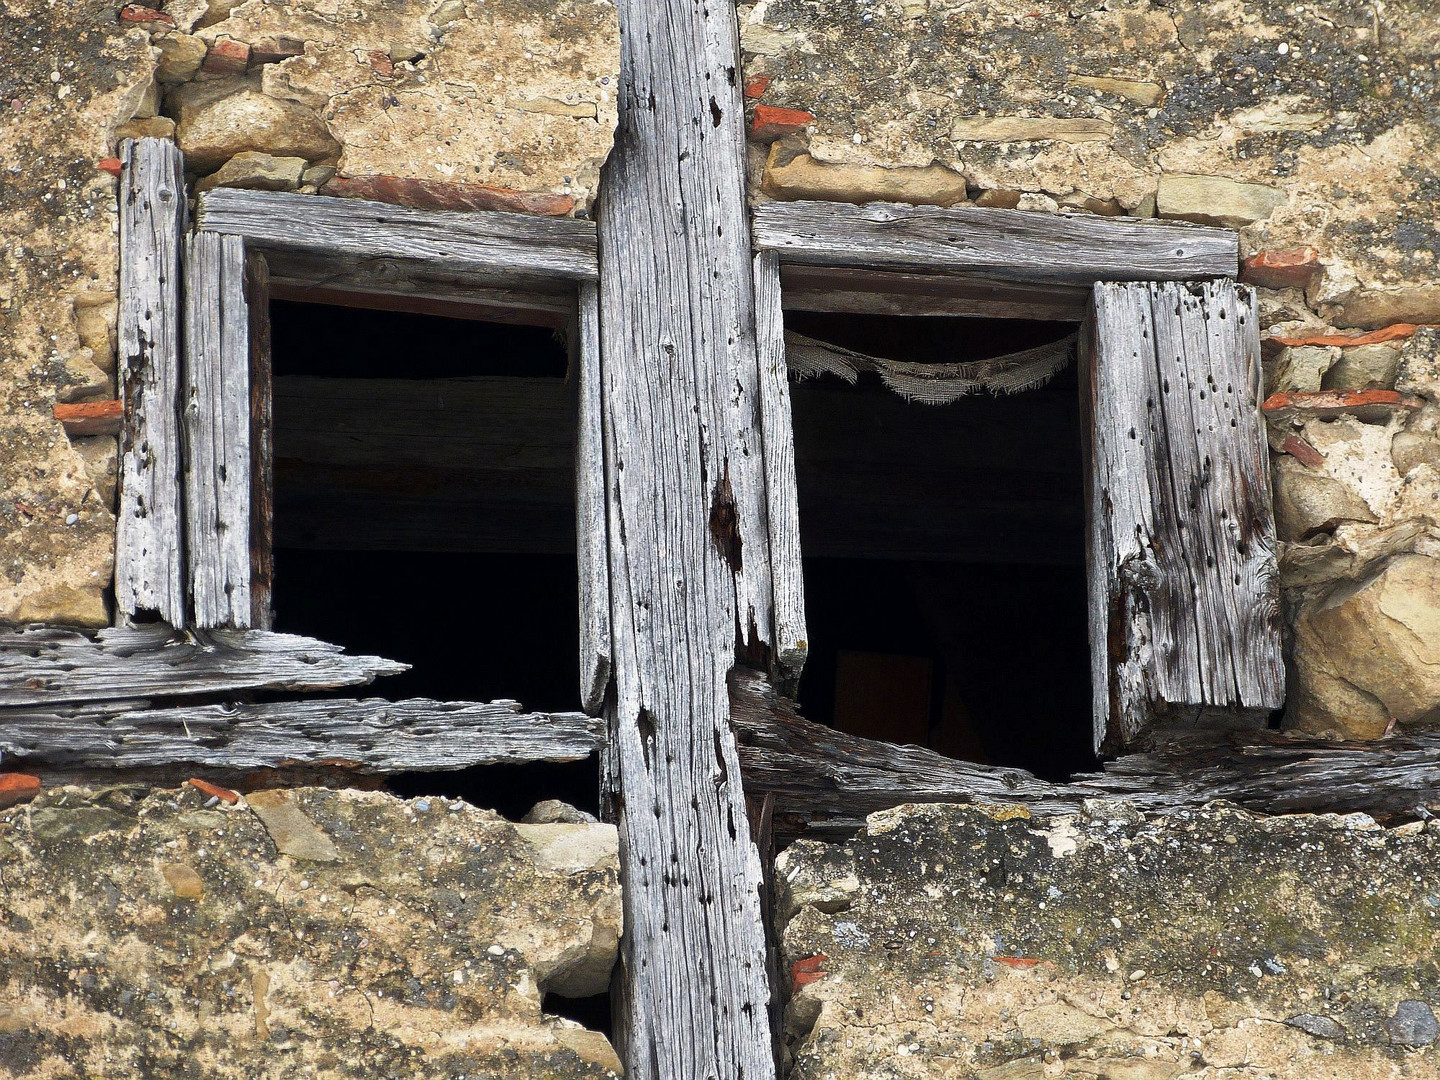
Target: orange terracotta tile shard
{"points": [[227, 57], [139, 13], [215, 791], [1019, 963], [113, 165], [773, 123], [1290, 269], [1325, 404], [1302, 451], [436, 195], [91, 417], [757, 86], [806, 971], [1373, 337], [17, 787]]}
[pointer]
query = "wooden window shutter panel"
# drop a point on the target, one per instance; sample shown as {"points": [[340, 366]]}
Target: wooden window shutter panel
{"points": [[1183, 585]]}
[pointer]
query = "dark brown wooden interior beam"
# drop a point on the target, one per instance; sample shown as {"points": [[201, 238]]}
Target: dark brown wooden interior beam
{"points": [[520, 245], [888, 292], [1003, 245]]}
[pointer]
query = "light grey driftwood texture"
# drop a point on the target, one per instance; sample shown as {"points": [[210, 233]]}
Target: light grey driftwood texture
{"points": [[1184, 590], [826, 781], [1009, 245], [262, 443], [149, 550], [53, 666], [781, 498], [215, 413], [363, 736], [591, 547], [688, 544], [481, 240]]}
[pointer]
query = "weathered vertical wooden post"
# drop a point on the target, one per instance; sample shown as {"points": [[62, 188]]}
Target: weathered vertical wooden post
{"points": [[689, 552]]}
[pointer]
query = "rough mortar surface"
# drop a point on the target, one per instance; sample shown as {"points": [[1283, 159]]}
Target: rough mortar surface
{"points": [[148, 933], [945, 941]]}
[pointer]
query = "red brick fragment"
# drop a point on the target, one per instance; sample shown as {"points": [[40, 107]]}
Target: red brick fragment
{"points": [[1019, 963], [772, 122], [227, 57], [756, 87], [1302, 452], [139, 13], [381, 63], [806, 971], [113, 165], [1326, 404], [1293, 268], [438, 195], [1344, 341], [17, 788], [214, 791], [90, 417]]}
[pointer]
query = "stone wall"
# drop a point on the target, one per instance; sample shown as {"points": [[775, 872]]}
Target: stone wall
{"points": [[948, 941], [496, 104], [304, 932], [1313, 129]]}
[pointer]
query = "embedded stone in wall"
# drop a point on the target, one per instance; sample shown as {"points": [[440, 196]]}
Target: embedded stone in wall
{"points": [[790, 173], [1212, 944], [511, 95], [332, 934], [212, 132], [1367, 653]]}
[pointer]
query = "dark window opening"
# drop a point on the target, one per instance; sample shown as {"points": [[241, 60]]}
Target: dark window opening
{"points": [[594, 1012], [944, 570], [424, 511]]}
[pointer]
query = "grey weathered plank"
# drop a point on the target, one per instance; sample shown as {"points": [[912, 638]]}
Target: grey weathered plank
{"points": [[781, 497], [50, 666], [688, 543], [828, 781], [591, 546], [1184, 595], [1009, 245], [367, 736], [215, 413], [262, 443], [149, 550], [518, 245]]}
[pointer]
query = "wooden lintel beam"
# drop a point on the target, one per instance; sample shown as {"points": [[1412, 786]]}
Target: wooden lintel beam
{"points": [[51, 666], [991, 243], [887, 292], [517, 245], [365, 736]]}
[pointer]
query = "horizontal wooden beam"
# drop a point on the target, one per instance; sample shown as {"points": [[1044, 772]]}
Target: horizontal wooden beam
{"points": [[827, 781], [1003, 245], [367, 736], [887, 292], [52, 666], [523, 245]]}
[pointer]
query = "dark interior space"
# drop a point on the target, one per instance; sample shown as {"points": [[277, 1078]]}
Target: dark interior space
{"points": [[944, 578], [406, 448]]}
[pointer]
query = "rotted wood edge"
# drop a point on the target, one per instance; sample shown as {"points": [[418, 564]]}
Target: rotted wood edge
{"points": [[52, 666], [591, 538], [262, 443]]}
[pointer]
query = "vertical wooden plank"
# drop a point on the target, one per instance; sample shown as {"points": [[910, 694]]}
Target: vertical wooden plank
{"points": [[590, 532], [689, 559], [778, 441], [262, 444], [216, 427], [149, 560], [1184, 598]]}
